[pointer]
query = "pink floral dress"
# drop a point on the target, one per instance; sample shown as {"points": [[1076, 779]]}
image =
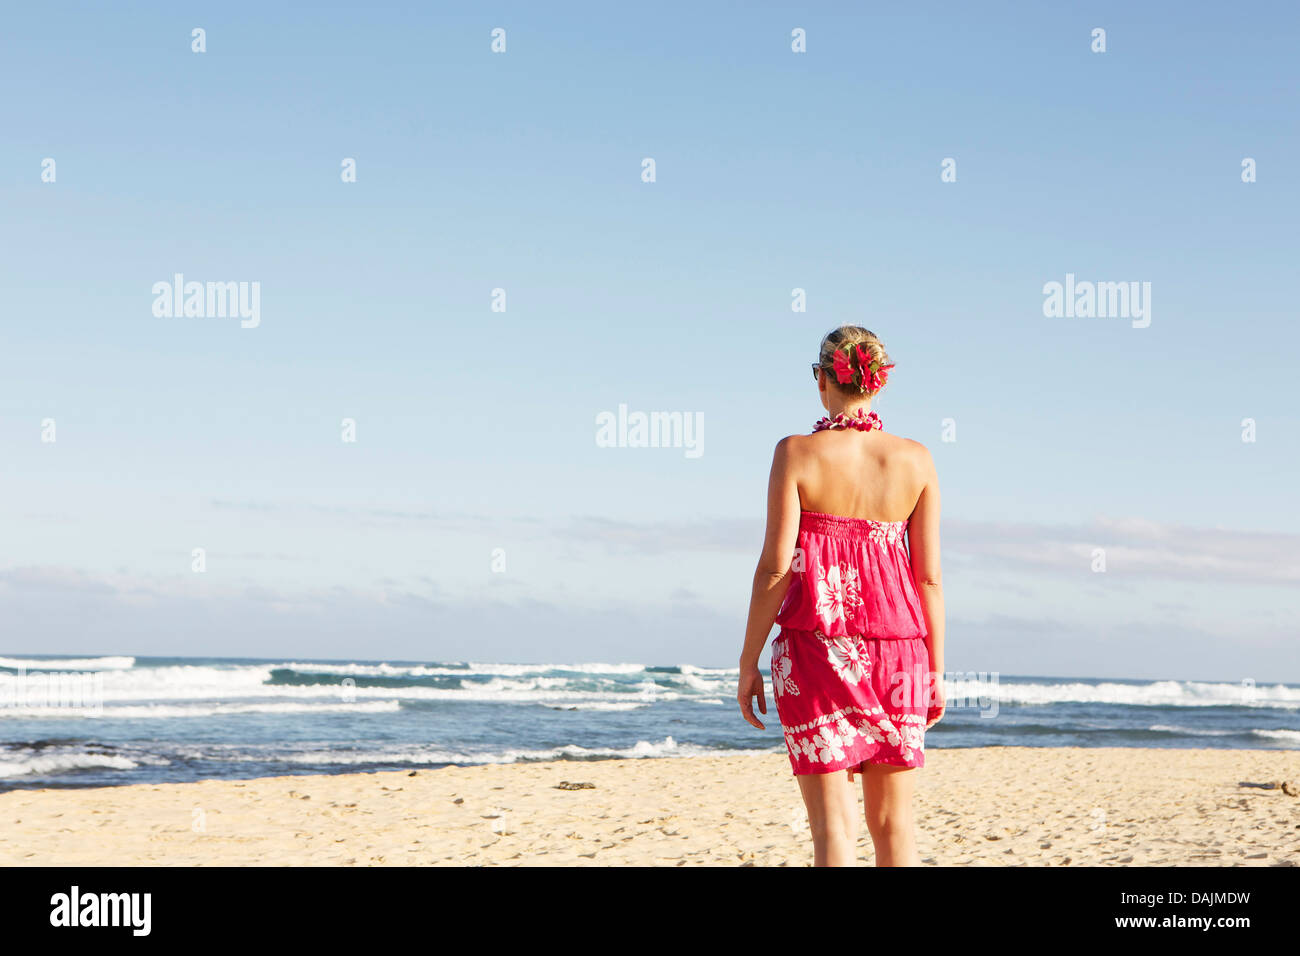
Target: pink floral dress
{"points": [[850, 664]]}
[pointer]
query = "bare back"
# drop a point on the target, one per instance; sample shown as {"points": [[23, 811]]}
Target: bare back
{"points": [[858, 474]]}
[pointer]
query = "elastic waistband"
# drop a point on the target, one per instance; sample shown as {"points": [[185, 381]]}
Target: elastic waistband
{"points": [[841, 526], [818, 635]]}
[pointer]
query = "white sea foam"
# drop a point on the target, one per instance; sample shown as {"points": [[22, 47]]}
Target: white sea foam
{"points": [[213, 709], [68, 664], [502, 684], [53, 763], [607, 705], [668, 747], [1289, 736], [187, 681], [1191, 731], [718, 671], [590, 686], [703, 684], [326, 758], [245, 685], [590, 668], [244, 681], [466, 670], [1168, 693]]}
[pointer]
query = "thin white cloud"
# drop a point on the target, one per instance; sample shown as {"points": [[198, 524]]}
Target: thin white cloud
{"points": [[1132, 545]]}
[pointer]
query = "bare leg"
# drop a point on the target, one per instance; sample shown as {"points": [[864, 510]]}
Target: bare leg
{"points": [[887, 792], [833, 817]]}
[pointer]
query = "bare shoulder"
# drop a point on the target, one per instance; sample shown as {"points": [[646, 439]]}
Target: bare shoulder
{"points": [[915, 448], [792, 448], [796, 454], [915, 453]]}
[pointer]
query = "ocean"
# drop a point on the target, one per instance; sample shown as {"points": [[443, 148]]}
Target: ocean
{"points": [[105, 721]]}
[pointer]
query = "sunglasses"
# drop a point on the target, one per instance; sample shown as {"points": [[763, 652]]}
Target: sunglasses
{"points": [[817, 367]]}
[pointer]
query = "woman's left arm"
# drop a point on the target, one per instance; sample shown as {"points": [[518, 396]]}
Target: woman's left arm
{"points": [[771, 577]]}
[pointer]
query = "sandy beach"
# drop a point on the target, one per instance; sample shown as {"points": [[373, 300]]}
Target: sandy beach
{"points": [[1000, 806]]}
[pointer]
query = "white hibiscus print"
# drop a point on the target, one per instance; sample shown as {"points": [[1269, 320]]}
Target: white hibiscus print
{"points": [[792, 743], [913, 739], [868, 729], [828, 745], [849, 658], [837, 589], [782, 682], [891, 732]]}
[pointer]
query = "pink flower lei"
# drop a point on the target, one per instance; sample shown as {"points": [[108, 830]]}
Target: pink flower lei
{"points": [[863, 423]]}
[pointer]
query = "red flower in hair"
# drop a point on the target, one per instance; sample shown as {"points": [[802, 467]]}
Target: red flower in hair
{"points": [[874, 374], [864, 363], [879, 376], [843, 370]]}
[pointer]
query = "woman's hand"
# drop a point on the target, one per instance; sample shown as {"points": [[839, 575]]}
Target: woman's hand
{"points": [[751, 683], [936, 706]]}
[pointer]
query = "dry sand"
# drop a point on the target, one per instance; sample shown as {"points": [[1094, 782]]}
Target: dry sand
{"points": [[987, 806]]}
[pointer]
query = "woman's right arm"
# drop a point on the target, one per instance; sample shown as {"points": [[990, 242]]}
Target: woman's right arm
{"points": [[923, 544]]}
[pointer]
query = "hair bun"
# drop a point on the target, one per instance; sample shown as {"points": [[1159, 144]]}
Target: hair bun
{"points": [[854, 359]]}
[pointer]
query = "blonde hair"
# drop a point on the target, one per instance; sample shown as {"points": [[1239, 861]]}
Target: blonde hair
{"points": [[848, 339]]}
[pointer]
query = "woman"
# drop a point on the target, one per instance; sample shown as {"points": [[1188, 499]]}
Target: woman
{"points": [[857, 666]]}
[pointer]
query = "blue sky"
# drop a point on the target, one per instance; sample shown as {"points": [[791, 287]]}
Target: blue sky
{"points": [[521, 170]]}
